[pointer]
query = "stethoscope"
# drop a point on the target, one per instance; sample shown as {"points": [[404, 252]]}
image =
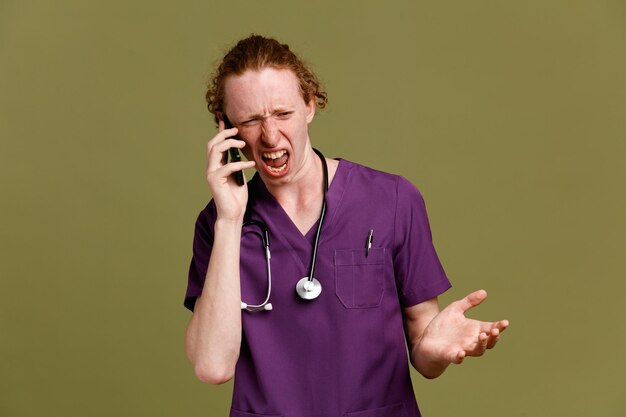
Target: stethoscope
{"points": [[308, 288]]}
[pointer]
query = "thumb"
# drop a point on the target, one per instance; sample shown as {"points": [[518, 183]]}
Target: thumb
{"points": [[472, 300]]}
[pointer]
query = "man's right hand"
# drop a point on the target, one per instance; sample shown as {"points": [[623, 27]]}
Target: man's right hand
{"points": [[230, 198]]}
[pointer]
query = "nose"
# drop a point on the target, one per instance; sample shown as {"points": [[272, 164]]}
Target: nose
{"points": [[269, 132]]}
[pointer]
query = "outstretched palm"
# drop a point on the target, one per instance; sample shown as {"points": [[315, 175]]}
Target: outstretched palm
{"points": [[451, 336]]}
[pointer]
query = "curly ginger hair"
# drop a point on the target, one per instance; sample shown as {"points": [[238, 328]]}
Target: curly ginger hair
{"points": [[255, 53]]}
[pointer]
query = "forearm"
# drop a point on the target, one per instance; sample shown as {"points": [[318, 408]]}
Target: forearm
{"points": [[425, 355], [213, 335]]}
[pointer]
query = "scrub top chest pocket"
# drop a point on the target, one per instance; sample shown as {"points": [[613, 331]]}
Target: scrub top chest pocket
{"points": [[359, 279]]}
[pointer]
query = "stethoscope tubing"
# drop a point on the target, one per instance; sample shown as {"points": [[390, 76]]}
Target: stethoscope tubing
{"points": [[322, 215], [266, 244], [312, 287]]}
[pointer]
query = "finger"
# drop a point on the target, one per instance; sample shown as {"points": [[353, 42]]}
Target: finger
{"points": [[493, 338], [230, 132], [480, 346], [239, 166], [221, 136], [224, 173], [231, 167], [472, 300], [216, 151], [455, 356], [502, 325], [227, 144], [483, 340], [488, 327]]}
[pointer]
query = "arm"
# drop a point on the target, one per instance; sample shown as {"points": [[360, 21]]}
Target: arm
{"points": [[437, 339], [416, 319], [213, 335]]}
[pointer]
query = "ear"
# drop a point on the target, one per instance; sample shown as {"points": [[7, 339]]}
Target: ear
{"points": [[310, 110]]}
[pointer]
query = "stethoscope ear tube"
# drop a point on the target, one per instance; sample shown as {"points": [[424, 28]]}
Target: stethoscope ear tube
{"points": [[265, 234], [265, 305]]}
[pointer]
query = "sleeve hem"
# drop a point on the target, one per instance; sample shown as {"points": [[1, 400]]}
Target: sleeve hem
{"points": [[190, 301], [416, 297]]}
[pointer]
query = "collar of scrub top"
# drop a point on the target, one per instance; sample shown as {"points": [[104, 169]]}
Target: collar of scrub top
{"points": [[308, 287]]}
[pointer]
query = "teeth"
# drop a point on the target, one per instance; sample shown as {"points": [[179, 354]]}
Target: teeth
{"points": [[279, 169], [274, 155]]}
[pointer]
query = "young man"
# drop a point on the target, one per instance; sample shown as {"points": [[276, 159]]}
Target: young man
{"points": [[334, 345]]}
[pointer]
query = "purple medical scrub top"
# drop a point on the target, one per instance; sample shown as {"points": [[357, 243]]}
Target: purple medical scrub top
{"points": [[343, 353]]}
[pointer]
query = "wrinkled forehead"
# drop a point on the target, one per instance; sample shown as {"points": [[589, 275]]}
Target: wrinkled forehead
{"points": [[258, 92]]}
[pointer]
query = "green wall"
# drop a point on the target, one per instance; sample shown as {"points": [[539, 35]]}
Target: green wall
{"points": [[509, 116]]}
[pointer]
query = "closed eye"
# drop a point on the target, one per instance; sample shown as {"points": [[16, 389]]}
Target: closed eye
{"points": [[250, 122]]}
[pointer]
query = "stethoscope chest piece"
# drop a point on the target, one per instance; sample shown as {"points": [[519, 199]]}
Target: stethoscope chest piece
{"points": [[308, 289]]}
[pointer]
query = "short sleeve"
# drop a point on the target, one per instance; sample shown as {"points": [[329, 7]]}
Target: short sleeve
{"points": [[202, 246], [418, 271]]}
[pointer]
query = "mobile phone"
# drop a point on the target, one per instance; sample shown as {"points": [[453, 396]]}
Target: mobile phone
{"points": [[233, 152]]}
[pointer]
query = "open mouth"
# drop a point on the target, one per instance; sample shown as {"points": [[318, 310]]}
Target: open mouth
{"points": [[276, 162]]}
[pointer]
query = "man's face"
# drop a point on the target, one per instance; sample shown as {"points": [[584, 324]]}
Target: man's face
{"points": [[267, 108]]}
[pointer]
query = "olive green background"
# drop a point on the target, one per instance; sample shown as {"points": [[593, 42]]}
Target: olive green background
{"points": [[509, 116]]}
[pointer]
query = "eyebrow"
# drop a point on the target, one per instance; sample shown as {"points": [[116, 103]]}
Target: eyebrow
{"points": [[278, 109]]}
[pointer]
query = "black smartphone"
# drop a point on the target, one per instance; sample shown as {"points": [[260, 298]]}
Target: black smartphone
{"points": [[234, 152]]}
